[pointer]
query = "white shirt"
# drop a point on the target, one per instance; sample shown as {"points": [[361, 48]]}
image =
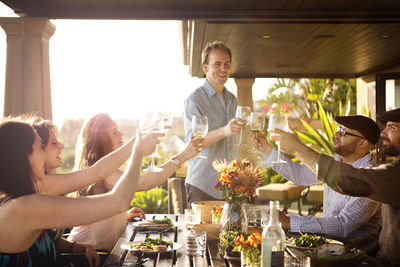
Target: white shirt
{"points": [[102, 234]]}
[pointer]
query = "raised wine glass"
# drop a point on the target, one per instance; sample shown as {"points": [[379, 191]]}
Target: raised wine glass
{"points": [[257, 124], [243, 113], [199, 129], [168, 118], [279, 121], [152, 122]]}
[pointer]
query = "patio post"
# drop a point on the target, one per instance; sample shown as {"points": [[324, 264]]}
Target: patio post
{"points": [[245, 98], [27, 81], [245, 91]]}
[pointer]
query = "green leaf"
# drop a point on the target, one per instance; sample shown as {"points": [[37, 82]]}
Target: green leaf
{"points": [[325, 122], [318, 138], [307, 138]]}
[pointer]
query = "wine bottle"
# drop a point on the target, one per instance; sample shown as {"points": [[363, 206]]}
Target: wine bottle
{"points": [[273, 239]]}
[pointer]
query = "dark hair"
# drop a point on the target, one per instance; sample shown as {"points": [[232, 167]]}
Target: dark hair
{"points": [[16, 141], [43, 128], [213, 46]]}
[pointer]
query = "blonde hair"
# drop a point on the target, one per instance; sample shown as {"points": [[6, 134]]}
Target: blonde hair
{"points": [[214, 46], [93, 143]]}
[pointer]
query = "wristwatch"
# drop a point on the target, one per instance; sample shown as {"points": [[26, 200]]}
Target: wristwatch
{"points": [[177, 162]]}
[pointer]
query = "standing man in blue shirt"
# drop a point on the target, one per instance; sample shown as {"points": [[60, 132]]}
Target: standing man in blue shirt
{"points": [[219, 105]]}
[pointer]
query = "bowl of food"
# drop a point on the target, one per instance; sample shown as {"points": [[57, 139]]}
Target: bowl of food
{"points": [[324, 252], [333, 255], [204, 209], [308, 242]]}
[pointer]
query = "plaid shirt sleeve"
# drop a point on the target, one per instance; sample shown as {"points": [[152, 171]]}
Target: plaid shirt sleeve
{"points": [[298, 173], [353, 215]]}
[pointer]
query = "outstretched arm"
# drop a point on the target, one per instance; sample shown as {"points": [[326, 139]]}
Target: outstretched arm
{"points": [[47, 211], [290, 144], [59, 184], [232, 128], [151, 179]]}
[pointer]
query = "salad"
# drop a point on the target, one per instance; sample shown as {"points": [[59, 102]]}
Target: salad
{"points": [[150, 243], [309, 241], [166, 220]]}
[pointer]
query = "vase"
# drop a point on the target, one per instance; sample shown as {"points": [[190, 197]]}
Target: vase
{"points": [[245, 262], [231, 225]]}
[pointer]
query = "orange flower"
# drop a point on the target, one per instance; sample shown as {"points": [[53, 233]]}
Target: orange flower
{"points": [[225, 179], [240, 239], [217, 210], [238, 179], [254, 238], [241, 188]]}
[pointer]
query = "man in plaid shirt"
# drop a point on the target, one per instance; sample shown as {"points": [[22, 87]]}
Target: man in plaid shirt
{"points": [[345, 218]]}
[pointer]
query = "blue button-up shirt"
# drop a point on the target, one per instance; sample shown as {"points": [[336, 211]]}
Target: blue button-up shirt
{"points": [[345, 218], [205, 101]]}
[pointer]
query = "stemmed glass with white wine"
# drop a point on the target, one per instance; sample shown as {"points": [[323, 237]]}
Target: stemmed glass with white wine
{"points": [[152, 122], [257, 124], [243, 113], [199, 129], [279, 121]]}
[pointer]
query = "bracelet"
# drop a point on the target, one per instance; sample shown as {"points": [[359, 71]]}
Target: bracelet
{"points": [[72, 246]]}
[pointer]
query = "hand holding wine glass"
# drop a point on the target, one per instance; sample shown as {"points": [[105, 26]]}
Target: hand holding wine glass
{"points": [[199, 129], [242, 113], [152, 122], [257, 124], [279, 121]]}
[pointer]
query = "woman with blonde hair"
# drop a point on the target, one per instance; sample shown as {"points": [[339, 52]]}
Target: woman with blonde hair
{"points": [[98, 137], [22, 175]]}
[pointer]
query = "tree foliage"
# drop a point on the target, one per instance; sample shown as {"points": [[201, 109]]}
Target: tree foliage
{"points": [[152, 201], [303, 95]]}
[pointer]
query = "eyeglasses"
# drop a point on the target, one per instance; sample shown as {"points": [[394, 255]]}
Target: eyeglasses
{"points": [[343, 132]]}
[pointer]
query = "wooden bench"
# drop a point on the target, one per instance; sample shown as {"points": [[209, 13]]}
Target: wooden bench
{"points": [[286, 193], [314, 196]]}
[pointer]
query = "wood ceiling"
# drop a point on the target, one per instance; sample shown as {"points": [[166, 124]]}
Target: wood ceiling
{"points": [[303, 38]]}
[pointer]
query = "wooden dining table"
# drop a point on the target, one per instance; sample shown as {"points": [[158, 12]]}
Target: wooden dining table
{"points": [[121, 256]]}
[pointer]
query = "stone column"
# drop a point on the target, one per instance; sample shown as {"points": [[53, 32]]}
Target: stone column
{"points": [[245, 98], [245, 91], [27, 82]]}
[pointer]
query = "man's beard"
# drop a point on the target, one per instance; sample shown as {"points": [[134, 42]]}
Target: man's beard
{"points": [[343, 150], [391, 151]]}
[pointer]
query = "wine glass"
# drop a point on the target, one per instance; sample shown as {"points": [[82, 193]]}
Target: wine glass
{"points": [[168, 118], [279, 121], [199, 129], [152, 122], [242, 112], [257, 124]]}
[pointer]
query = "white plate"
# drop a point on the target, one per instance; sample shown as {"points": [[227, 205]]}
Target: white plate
{"points": [[127, 246]]}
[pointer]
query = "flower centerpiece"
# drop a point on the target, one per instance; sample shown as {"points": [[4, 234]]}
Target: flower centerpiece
{"points": [[250, 249], [216, 214], [237, 181]]}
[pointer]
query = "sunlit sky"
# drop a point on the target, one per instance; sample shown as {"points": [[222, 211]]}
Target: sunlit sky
{"points": [[122, 68]]}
